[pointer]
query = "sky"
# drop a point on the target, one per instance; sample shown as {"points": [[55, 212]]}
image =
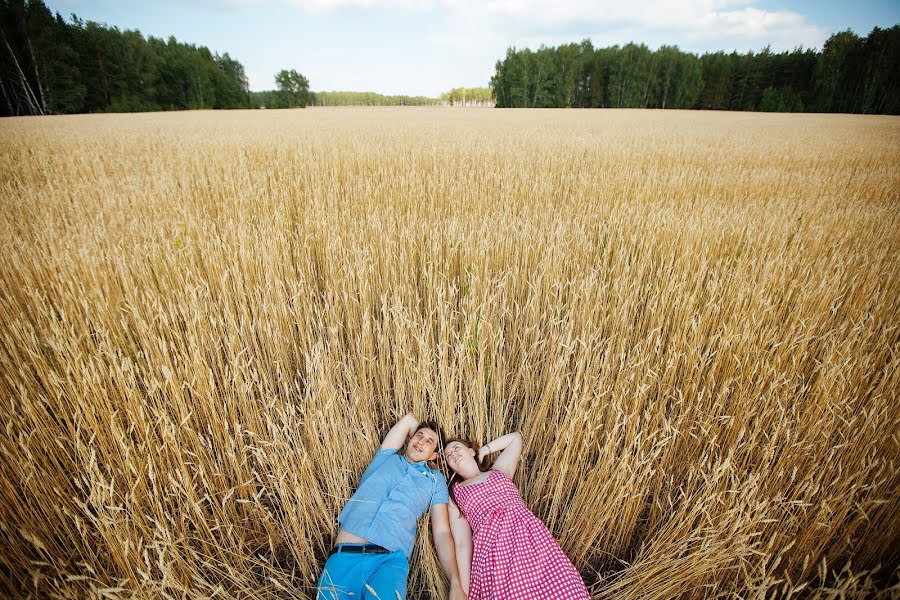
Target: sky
{"points": [[426, 47]]}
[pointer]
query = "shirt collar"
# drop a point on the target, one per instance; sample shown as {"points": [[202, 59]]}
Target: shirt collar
{"points": [[421, 465]]}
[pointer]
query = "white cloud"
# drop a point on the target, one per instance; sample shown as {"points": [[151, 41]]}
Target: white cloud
{"points": [[319, 6], [471, 23], [706, 24], [782, 29]]}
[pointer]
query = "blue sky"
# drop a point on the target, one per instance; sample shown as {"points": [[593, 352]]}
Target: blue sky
{"points": [[425, 47]]}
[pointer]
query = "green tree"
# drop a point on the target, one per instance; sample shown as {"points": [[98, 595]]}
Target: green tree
{"points": [[510, 82], [50, 66], [717, 74], [463, 95], [834, 72], [231, 87], [293, 89], [25, 45], [881, 86]]}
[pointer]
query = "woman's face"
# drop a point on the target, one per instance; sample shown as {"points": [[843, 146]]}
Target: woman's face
{"points": [[459, 455]]}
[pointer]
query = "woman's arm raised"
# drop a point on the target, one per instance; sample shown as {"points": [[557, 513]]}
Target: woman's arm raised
{"points": [[511, 446]]}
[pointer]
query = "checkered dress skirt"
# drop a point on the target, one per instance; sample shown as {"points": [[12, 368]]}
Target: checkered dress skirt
{"points": [[514, 556]]}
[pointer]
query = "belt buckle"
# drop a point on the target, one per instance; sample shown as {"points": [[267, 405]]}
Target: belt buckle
{"points": [[359, 549], [345, 549]]}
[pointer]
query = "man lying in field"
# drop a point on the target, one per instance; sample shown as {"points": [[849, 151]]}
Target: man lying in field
{"points": [[370, 558]]}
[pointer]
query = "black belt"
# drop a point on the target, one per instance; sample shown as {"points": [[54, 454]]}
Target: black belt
{"points": [[359, 549]]}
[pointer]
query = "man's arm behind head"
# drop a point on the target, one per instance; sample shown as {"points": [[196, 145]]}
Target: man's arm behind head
{"points": [[399, 433]]}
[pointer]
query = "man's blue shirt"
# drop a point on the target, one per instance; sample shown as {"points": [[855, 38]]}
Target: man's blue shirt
{"points": [[393, 493]]}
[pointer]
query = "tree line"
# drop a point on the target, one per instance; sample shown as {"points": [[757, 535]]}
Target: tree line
{"points": [[367, 99], [463, 96], [851, 74], [50, 65], [274, 99]]}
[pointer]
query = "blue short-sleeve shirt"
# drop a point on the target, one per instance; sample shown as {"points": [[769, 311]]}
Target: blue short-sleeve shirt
{"points": [[393, 493]]}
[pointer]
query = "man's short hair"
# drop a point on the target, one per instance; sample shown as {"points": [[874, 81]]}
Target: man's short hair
{"points": [[432, 425]]}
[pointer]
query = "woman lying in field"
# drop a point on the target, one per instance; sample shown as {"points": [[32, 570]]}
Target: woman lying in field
{"points": [[508, 553]]}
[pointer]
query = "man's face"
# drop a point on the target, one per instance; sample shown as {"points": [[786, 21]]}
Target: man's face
{"points": [[422, 446]]}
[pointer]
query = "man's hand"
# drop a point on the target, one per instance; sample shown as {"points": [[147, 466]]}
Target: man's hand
{"points": [[456, 591], [446, 548], [399, 433]]}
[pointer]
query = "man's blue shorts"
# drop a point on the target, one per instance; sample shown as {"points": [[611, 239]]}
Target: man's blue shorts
{"points": [[368, 576]]}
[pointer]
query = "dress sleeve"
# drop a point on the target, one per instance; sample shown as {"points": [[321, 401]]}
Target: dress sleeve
{"points": [[380, 457]]}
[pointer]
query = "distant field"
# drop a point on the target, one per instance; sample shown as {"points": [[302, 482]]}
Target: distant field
{"points": [[209, 319]]}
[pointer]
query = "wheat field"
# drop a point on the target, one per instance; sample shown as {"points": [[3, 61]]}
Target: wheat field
{"points": [[209, 319]]}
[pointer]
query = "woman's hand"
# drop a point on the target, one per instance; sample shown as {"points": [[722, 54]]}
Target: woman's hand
{"points": [[483, 452], [510, 448]]}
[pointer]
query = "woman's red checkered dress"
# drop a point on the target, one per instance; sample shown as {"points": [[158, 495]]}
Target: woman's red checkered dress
{"points": [[514, 556]]}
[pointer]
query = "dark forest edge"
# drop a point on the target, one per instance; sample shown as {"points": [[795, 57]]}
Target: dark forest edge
{"points": [[850, 75], [54, 66]]}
